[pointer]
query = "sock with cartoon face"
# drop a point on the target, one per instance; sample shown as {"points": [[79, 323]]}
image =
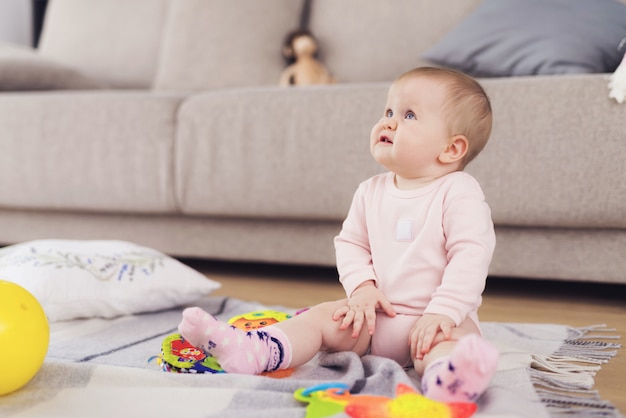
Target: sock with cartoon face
{"points": [[463, 375], [237, 351]]}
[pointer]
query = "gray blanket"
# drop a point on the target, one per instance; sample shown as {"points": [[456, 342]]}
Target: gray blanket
{"points": [[103, 368]]}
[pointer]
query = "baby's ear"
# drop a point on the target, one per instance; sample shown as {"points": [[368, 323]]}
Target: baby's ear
{"points": [[455, 151]]}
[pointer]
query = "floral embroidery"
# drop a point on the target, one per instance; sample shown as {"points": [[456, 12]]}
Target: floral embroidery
{"points": [[123, 266]]}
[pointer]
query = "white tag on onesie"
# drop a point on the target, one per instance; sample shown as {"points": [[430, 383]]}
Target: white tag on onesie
{"points": [[404, 230]]}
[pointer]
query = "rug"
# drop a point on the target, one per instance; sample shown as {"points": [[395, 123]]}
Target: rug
{"points": [[103, 368]]}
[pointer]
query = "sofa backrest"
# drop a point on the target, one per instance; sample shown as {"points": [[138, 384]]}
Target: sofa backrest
{"points": [[224, 43], [115, 41], [194, 45], [232, 43], [360, 40]]}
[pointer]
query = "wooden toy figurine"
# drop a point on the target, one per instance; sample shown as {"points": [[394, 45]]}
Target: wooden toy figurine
{"points": [[300, 50]]}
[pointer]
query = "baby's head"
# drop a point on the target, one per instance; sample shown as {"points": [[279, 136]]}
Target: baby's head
{"points": [[466, 107]]}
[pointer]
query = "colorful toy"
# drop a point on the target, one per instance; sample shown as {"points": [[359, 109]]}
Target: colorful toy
{"points": [[257, 319], [24, 336], [330, 399], [178, 356]]}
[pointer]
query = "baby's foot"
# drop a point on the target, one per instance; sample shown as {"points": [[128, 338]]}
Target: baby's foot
{"points": [[237, 351], [196, 327], [465, 374]]}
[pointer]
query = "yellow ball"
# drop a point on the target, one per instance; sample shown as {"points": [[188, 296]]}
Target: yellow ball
{"points": [[24, 336]]}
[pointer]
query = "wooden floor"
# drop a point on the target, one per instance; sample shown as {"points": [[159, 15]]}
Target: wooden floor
{"points": [[505, 300]]}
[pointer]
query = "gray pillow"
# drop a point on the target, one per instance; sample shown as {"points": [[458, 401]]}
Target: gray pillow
{"points": [[528, 37], [22, 68]]}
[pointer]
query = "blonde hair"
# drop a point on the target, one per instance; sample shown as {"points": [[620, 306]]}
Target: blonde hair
{"points": [[467, 110]]}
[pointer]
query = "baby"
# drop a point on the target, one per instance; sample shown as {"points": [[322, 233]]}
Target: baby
{"points": [[412, 254]]}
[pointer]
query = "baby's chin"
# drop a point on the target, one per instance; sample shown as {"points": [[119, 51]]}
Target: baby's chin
{"points": [[381, 159]]}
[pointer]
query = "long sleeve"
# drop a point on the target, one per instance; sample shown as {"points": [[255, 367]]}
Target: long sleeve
{"points": [[469, 245], [352, 247]]}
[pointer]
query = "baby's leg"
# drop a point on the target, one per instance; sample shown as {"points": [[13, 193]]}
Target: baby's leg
{"points": [[460, 369], [315, 330], [237, 351], [290, 343]]}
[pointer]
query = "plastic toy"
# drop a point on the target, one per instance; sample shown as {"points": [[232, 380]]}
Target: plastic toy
{"points": [[178, 356], [24, 337], [330, 399], [257, 319]]}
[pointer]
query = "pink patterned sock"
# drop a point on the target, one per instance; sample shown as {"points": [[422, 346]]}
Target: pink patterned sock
{"points": [[237, 351], [463, 375]]}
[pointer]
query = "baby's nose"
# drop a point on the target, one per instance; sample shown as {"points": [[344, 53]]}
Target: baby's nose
{"points": [[389, 123]]}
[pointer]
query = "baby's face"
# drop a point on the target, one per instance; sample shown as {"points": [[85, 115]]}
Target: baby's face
{"points": [[412, 133]]}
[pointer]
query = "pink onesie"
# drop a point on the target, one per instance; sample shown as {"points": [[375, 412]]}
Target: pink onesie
{"points": [[427, 249]]}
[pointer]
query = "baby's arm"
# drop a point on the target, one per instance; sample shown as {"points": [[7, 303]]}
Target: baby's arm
{"points": [[470, 241], [356, 272], [361, 308]]}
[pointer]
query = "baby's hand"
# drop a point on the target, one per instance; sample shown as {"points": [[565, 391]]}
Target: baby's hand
{"points": [[361, 308], [429, 330]]}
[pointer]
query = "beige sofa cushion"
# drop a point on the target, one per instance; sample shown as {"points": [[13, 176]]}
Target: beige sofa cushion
{"points": [[225, 43], [378, 40], [99, 151], [22, 68], [550, 162], [556, 155], [116, 41], [274, 152]]}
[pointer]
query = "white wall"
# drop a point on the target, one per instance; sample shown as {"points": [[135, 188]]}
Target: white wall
{"points": [[15, 21]]}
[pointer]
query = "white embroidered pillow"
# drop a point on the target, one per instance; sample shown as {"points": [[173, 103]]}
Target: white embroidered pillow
{"points": [[84, 279]]}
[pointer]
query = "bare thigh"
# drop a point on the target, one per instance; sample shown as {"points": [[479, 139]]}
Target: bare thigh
{"points": [[335, 339], [391, 339], [315, 330]]}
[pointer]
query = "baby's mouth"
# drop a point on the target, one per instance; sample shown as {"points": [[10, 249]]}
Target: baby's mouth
{"points": [[385, 139]]}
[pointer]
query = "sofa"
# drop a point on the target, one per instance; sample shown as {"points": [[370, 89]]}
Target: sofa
{"points": [[161, 122]]}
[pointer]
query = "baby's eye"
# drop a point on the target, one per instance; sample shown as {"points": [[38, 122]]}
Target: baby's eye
{"points": [[410, 115], [388, 113]]}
